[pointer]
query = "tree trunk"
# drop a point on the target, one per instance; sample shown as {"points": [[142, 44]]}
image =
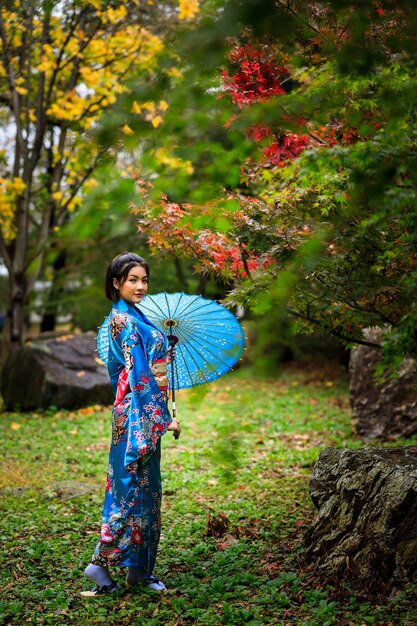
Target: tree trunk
{"points": [[17, 310], [180, 274], [49, 317]]}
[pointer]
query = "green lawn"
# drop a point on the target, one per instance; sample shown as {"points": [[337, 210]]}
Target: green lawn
{"points": [[245, 455]]}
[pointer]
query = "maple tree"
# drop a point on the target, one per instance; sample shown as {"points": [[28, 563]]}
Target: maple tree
{"points": [[63, 65], [321, 218]]}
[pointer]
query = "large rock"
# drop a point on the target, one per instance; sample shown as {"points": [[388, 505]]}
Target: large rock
{"points": [[388, 409], [62, 371], [367, 509]]}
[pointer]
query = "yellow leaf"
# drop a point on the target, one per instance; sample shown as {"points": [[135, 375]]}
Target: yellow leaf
{"points": [[127, 130], [86, 411], [156, 121], [136, 108], [18, 185], [73, 204], [58, 195], [149, 106], [14, 426], [188, 9]]}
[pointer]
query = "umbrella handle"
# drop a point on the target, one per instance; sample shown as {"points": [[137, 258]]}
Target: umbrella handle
{"points": [[173, 340]]}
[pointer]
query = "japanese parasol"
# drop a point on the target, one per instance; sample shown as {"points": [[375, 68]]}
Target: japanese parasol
{"points": [[208, 338]]}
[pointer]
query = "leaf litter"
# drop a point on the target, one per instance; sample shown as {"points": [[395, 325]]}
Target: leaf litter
{"points": [[235, 508]]}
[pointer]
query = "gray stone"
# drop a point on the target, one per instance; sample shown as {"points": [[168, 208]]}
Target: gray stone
{"points": [[367, 509], [387, 410], [62, 371], [60, 489]]}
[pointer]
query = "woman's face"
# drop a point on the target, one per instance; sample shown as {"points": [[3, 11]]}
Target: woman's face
{"points": [[135, 286]]}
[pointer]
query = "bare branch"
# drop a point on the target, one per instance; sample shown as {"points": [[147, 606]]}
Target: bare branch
{"points": [[40, 110], [6, 256], [244, 258], [333, 332], [287, 7], [12, 82], [59, 67]]}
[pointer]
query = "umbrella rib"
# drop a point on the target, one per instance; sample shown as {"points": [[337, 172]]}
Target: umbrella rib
{"points": [[216, 356], [168, 308], [198, 316], [211, 316], [224, 346], [185, 308], [209, 304], [219, 359], [190, 304], [216, 310], [219, 332], [143, 306], [206, 341], [205, 363], [195, 363]]}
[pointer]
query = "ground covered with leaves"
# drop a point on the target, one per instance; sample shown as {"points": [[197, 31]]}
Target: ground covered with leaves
{"points": [[235, 507]]}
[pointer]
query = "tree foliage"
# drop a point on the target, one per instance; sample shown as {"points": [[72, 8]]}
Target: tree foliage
{"points": [[319, 121], [63, 65]]}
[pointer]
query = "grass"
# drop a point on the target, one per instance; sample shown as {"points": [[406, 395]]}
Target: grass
{"points": [[244, 458]]}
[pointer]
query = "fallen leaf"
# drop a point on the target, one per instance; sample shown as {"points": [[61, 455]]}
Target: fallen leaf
{"points": [[86, 410], [217, 524], [8, 586], [65, 337], [272, 569], [229, 541], [14, 426], [97, 446]]}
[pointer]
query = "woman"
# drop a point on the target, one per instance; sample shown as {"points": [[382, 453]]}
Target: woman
{"points": [[137, 353]]}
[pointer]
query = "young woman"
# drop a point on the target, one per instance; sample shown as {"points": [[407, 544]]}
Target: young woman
{"points": [[136, 354]]}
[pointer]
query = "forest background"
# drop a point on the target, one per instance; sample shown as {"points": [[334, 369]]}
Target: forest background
{"points": [[265, 151], [260, 153]]}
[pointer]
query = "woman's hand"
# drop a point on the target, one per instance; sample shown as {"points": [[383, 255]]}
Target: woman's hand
{"points": [[170, 355], [175, 428]]}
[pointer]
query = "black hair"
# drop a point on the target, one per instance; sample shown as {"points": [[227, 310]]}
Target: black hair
{"points": [[119, 269]]}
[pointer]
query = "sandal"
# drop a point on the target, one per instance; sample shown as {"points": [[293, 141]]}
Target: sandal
{"points": [[100, 591]]}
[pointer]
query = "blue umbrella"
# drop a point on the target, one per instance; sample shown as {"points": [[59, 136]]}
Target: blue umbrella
{"points": [[209, 340]]}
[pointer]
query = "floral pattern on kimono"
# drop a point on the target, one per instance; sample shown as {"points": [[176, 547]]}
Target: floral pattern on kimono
{"points": [[131, 520]]}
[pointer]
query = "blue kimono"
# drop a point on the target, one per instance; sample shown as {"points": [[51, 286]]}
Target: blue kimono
{"points": [[134, 351]]}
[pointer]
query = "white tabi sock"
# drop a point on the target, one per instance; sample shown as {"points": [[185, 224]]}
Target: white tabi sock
{"points": [[98, 574]]}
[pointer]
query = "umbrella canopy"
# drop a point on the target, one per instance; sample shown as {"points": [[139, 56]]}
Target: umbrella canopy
{"points": [[209, 338]]}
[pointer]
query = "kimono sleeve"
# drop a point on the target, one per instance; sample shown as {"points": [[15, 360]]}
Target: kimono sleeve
{"points": [[148, 417]]}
